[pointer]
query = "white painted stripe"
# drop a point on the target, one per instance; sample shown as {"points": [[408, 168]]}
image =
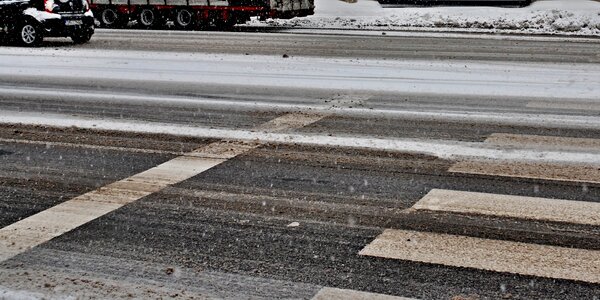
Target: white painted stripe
{"points": [[561, 121], [593, 106], [426, 32], [547, 142], [555, 210], [89, 146], [328, 293], [32, 231], [579, 172], [440, 148], [55, 221], [485, 254]]}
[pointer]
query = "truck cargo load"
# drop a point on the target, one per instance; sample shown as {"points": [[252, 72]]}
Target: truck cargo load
{"points": [[192, 14]]}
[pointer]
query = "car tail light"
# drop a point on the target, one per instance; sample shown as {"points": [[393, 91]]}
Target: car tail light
{"points": [[49, 6]]}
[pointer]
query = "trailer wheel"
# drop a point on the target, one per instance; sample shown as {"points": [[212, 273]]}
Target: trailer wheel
{"points": [[184, 19], [110, 18], [149, 18]]}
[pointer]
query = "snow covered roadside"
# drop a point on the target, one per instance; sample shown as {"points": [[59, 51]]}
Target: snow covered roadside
{"points": [[564, 17]]}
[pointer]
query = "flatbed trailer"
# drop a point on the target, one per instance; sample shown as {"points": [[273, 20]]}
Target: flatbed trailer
{"points": [[192, 14]]}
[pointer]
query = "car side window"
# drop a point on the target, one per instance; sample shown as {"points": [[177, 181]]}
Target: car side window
{"points": [[38, 4]]}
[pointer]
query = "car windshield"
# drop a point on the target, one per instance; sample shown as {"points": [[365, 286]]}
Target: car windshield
{"points": [[300, 149]]}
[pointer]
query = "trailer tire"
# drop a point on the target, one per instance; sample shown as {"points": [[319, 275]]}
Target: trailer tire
{"points": [[110, 18], [149, 18], [185, 19]]}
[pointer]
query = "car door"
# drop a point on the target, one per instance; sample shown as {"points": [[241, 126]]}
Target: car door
{"points": [[3, 15]]}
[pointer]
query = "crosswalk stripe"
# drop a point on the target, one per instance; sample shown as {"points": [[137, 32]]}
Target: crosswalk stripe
{"points": [[88, 146], [55, 221], [552, 142], [441, 148], [556, 171], [576, 172], [493, 255], [575, 212], [530, 170], [498, 255], [328, 293], [593, 106]]}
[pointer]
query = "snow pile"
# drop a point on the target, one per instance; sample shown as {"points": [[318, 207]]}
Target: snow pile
{"points": [[576, 17]]}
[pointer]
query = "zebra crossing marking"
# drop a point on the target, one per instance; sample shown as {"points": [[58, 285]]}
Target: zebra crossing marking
{"points": [[64, 217], [328, 293], [486, 254], [531, 208]]}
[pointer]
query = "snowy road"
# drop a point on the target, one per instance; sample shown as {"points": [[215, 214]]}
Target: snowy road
{"points": [[354, 44], [150, 164]]}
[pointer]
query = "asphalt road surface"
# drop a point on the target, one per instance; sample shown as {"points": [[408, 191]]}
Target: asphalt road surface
{"points": [[185, 165]]}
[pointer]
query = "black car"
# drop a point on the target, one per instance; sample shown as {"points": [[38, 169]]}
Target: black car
{"points": [[28, 22]]}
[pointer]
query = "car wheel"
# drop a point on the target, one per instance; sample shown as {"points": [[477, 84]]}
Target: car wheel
{"points": [[184, 19], [29, 34], [110, 18]]}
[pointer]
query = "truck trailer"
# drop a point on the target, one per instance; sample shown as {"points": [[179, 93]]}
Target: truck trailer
{"points": [[191, 14]]}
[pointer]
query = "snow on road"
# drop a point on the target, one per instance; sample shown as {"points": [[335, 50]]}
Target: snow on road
{"points": [[517, 79], [572, 17]]}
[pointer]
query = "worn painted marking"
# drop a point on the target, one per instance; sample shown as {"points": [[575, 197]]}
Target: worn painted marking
{"points": [[542, 168], [575, 212], [64, 217], [55, 221], [531, 170], [493, 255], [328, 293], [440, 148], [548, 142], [89, 146], [340, 107], [589, 106]]}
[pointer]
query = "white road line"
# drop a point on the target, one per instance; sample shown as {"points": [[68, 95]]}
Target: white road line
{"points": [[41, 227], [587, 106], [566, 121], [417, 32], [544, 170], [89, 146], [440, 148], [583, 172], [485, 254], [328, 293], [546, 142], [575, 212]]}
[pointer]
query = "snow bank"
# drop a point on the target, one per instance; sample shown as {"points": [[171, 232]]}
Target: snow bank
{"points": [[573, 17]]}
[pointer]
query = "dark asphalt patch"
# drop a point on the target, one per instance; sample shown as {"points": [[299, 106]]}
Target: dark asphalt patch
{"points": [[2, 152], [238, 218], [179, 233], [37, 177]]}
